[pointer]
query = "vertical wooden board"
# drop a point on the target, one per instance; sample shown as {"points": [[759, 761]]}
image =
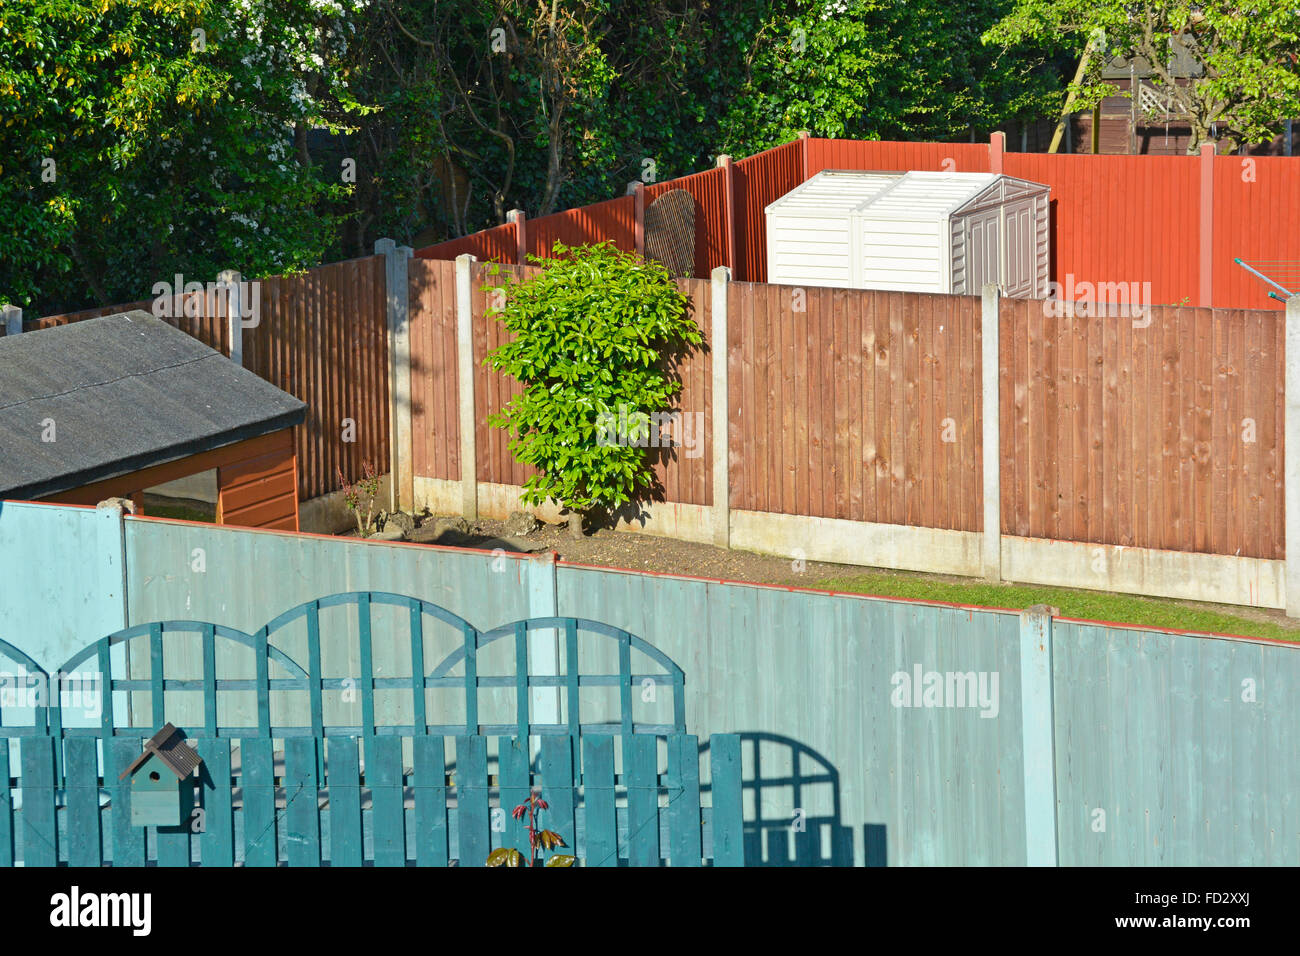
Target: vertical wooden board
{"points": [[173, 846], [1170, 428], [910, 424], [865, 302], [471, 779], [845, 450], [851, 303], [558, 786], [6, 808], [804, 398], [128, 843], [1110, 425], [1238, 404], [85, 847], [1253, 457], [927, 510], [790, 355], [900, 406], [1139, 409], [1022, 382], [770, 398], [1203, 435], [430, 785], [1096, 451], [343, 776], [828, 464], [1124, 430], [302, 802], [740, 322], [257, 777], [386, 782], [641, 765], [728, 805], [1036, 437], [600, 846], [1272, 524], [1187, 425], [1008, 397], [515, 783], [684, 815], [1276, 385], [1224, 433], [1049, 415], [217, 836], [40, 831]]}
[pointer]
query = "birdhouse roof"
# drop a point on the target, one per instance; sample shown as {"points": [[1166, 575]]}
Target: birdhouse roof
{"points": [[171, 749]]}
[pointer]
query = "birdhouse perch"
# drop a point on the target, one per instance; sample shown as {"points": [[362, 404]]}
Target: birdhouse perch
{"points": [[161, 790]]}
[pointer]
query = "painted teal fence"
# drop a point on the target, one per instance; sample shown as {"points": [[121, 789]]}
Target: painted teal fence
{"points": [[1141, 747], [383, 774]]}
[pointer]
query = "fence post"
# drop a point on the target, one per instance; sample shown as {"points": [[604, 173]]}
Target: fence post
{"points": [[520, 219], [638, 207], [1206, 295], [803, 139], [719, 413], [13, 319], [1038, 733], [997, 146], [544, 644], [1291, 449], [401, 477], [229, 279], [465, 378], [991, 539], [724, 163]]}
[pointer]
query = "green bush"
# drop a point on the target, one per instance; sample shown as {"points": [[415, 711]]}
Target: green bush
{"points": [[593, 336]]}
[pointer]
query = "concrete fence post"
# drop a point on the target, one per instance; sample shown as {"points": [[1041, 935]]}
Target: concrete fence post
{"points": [[1206, 285], [803, 158], [638, 216], [719, 413], [991, 543], [465, 378], [997, 147], [230, 281], [13, 319], [401, 479], [729, 190], [1038, 734], [544, 643], [520, 219], [1291, 451]]}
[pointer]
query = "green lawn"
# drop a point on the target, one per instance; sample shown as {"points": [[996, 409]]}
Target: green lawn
{"points": [[1089, 605]]}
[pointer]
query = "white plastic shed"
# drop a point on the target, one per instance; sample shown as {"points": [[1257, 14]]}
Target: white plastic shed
{"points": [[912, 232]]}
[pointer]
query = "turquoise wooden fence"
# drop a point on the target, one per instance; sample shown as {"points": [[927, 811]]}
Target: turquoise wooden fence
{"points": [[303, 767]]}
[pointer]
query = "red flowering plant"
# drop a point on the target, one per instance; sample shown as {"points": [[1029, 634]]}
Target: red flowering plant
{"points": [[538, 839]]}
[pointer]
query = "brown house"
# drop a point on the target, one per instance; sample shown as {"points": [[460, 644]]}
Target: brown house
{"points": [[126, 406]]}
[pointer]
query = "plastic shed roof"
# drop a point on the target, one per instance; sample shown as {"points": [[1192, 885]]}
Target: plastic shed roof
{"points": [[126, 392], [834, 191], [915, 195]]}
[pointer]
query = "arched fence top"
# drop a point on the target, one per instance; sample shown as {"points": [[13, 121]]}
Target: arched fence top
{"points": [[547, 699]]}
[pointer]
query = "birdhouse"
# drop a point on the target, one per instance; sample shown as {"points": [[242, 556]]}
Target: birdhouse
{"points": [[162, 793]]}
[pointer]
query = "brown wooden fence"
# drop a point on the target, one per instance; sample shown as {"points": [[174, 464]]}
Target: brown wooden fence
{"points": [[1160, 435], [863, 405], [322, 337]]}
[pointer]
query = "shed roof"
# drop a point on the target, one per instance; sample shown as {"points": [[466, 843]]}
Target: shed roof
{"points": [[912, 195], [124, 392]]}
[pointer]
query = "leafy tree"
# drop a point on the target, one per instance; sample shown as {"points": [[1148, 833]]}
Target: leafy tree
{"points": [[591, 336], [1246, 51]]}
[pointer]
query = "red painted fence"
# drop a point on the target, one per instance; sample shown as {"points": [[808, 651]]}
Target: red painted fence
{"points": [[1176, 222]]}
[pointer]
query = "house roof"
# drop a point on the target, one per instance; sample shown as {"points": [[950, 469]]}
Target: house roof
{"points": [[171, 749], [118, 394]]}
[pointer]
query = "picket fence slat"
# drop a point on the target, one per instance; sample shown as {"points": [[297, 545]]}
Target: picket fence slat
{"points": [[7, 849], [641, 766], [257, 774], [430, 786], [472, 801], [728, 805], [601, 844], [302, 802], [85, 846], [217, 839], [512, 756], [558, 789], [343, 774], [128, 842], [685, 847], [40, 834], [385, 779]]}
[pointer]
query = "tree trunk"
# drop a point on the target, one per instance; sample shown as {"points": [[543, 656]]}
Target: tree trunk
{"points": [[575, 525]]}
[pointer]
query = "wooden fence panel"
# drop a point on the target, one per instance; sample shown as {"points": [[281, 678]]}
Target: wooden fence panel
{"points": [[855, 404], [323, 337], [435, 383], [1160, 431]]}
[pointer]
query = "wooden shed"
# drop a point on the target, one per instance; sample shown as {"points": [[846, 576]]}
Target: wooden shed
{"points": [[121, 405]]}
